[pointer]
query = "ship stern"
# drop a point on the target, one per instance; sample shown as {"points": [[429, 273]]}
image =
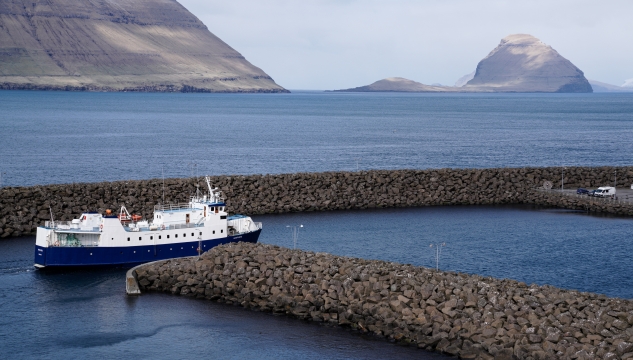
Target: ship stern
{"points": [[41, 245]]}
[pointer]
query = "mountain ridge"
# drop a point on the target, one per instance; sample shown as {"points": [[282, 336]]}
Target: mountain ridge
{"points": [[118, 45]]}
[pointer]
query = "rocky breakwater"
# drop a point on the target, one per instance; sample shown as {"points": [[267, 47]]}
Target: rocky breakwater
{"points": [[22, 209], [458, 314]]}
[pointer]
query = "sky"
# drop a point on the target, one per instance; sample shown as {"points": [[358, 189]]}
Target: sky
{"points": [[337, 44]]}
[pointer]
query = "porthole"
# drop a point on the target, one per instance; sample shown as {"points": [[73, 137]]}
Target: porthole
{"points": [[140, 238], [176, 235], [128, 239], [147, 250], [168, 236], [201, 233], [193, 234], [222, 231], [214, 231], [151, 238], [159, 237], [135, 251], [184, 235]]}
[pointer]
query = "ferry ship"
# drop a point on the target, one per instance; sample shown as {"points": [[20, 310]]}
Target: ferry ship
{"points": [[127, 240]]}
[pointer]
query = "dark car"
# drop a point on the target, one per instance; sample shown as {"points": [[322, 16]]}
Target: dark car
{"points": [[582, 191]]}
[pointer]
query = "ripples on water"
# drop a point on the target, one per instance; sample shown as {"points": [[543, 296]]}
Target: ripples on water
{"points": [[59, 137], [87, 314]]}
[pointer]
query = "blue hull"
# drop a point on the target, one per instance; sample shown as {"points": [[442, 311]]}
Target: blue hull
{"points": [[53, 257]]}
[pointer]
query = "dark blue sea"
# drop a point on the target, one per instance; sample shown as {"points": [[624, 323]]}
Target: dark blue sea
{"points": [[63, 137], [57, 137]]}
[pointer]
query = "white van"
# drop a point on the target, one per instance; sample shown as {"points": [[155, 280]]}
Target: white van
{"points": [[605, 191]]}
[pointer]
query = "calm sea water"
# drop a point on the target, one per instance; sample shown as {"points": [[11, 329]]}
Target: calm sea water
{"points": [[59, 137], [86, 314]]}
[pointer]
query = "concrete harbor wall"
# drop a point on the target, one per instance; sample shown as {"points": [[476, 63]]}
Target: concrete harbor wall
{"points": [[469, 316], [22, 209]]}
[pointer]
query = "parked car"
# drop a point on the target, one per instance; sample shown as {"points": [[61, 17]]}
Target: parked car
{"points": [[605, 191], [582, 191]]}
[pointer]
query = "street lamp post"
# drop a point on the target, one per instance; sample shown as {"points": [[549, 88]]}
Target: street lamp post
{"points": [[438, 252], [295, 234]]}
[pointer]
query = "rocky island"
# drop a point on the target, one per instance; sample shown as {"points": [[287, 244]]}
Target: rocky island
{"points": [[398, 84], [521, 63], [118, 45]]}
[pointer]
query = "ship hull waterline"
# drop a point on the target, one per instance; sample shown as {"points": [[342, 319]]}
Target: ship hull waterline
{"points": [[129, 256]]}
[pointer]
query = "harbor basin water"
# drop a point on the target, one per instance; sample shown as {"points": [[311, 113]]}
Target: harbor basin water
{"points": [[80, 314]]}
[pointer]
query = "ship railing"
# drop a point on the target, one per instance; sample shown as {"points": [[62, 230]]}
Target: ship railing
{"points": [[169, 207], [67, 225], [71, 240]]}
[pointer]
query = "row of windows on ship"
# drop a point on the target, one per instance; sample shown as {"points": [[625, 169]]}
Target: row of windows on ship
{"points": [[140, 238]]}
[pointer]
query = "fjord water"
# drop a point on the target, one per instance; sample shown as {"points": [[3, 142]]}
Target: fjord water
{"points": [[87, 314], [61, 137], [56, 137]]}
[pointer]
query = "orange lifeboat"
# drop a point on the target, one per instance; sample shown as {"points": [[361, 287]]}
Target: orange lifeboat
{"points": [[136, 217]]}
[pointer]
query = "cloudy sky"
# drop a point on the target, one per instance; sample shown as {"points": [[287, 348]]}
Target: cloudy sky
{"points": [[334, 44]]}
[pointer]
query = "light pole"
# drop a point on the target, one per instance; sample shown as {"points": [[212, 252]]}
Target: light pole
{"points": [[438, 252], [357, 160], [1, 173], [295, 234], [562, 180]]}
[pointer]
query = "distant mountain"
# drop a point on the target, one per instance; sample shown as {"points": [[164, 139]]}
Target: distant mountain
{"points": [[604, 87], [118, 45], [398, 84], [628, 83], [464, 79], [522, 63]]}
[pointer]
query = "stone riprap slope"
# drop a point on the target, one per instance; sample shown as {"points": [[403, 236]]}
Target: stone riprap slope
{"points": [[118, 45], [458, 314], [22, 209]]}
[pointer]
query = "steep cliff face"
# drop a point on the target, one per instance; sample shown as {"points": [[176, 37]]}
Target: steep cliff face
{"points": [[117, 45], [522, 63]]}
